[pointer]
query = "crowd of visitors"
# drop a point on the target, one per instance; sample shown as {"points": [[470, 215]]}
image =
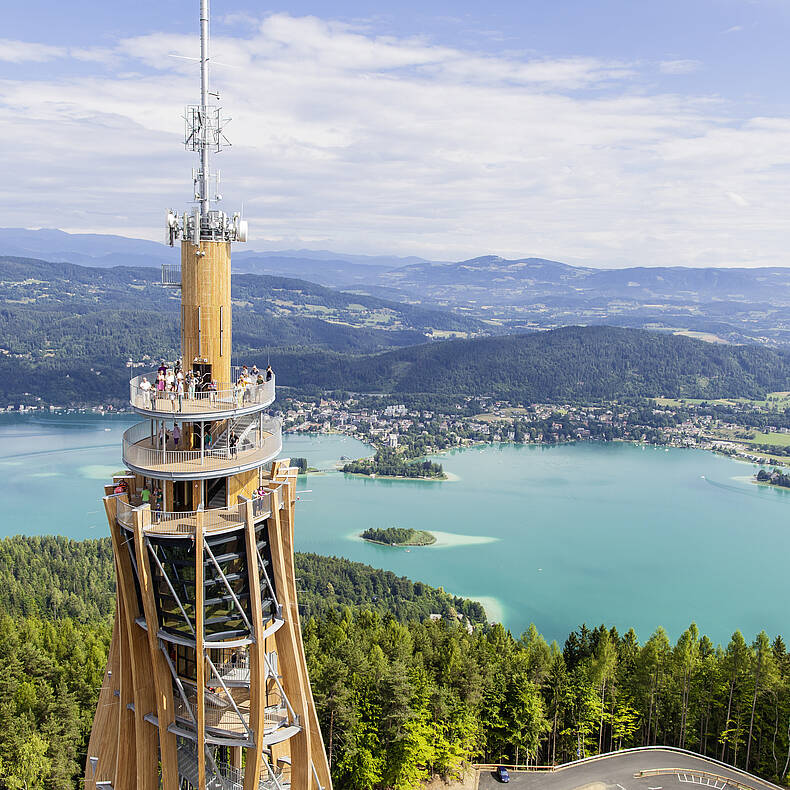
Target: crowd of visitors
{"points": [[174, 385]]}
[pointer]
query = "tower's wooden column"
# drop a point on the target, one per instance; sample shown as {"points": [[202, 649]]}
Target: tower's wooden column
{"points": [[287, 641], [136, 761], [163, 682], [252, 771], [205, 306]]}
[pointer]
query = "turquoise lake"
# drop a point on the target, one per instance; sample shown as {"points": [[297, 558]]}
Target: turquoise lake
{"points": [[557, 536]]}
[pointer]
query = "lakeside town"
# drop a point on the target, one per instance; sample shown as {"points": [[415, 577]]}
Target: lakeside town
{"points": [[414, 432], [416, 426]]}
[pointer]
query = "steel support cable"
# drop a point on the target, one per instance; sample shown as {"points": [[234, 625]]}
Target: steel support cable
{"points": [[170, 586], [228, 587], [266, 576], [178, 682], [273, 674], [230, 696]]}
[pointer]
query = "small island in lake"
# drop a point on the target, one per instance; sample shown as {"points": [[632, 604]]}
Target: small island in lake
{"points": [[398, 536], [388, 463]]}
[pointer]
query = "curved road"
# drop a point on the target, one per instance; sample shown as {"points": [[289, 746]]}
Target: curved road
{"points": [[617, 773]]}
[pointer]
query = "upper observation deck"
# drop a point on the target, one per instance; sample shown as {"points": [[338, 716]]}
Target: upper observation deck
{"points": [[200, 400], [148, 453]]}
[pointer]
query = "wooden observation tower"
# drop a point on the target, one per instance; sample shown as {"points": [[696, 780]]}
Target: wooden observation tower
{"points": [[206, 684]]}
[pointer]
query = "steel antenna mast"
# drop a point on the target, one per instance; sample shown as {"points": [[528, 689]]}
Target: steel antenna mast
{"points": [[204, 119], [203, 131]]}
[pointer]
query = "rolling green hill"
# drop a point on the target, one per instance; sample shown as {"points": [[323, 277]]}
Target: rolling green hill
{"points": [[54, 306], [63, 325], [573, 363], [67, 331]]}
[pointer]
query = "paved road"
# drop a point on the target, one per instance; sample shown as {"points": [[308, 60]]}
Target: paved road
{"points": [[617, 773]]}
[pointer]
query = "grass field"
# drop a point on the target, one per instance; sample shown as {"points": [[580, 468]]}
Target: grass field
{"points": [[774, 400], [775, 439]]}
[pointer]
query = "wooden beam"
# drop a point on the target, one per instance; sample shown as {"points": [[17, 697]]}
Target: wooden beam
{"points": [[206, 306], [163, 681], [317, 750], [103, 744], [287, 647], [143, 688], [200, 659], [257, 721], [126, 757]]}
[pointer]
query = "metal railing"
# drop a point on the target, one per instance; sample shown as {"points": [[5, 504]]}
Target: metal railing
{"points": [[124, 513], [142, 450], [185, 522], [227, 712], [171, 274], [232, 665], [221, 775], [226, 396]]}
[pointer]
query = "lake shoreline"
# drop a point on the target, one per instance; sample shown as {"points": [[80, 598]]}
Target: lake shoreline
{"points": [[397, 545], [444, 479], [539, 531]]}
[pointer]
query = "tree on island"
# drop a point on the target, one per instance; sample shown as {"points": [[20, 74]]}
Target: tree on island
{"points": [[399, 536], [388, 463]]}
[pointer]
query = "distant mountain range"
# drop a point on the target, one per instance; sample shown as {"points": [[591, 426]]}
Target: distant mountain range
{"points": [[719, 305], [104, 251], [489, 277]]}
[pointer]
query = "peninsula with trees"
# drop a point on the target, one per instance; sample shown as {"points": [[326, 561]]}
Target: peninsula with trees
{"points": [[389, 463]]}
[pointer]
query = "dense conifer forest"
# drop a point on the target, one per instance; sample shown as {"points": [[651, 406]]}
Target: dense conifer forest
{"points": [[562, 365], [401, 696]]}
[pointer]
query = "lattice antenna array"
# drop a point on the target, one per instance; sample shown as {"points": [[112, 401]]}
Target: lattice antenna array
{"points": [[203, 134]]}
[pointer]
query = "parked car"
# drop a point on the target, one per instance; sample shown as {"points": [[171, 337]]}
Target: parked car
{"points": [[502, 774]]}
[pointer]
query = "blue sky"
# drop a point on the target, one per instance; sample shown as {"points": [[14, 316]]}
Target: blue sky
{"points": [[609, 133]]}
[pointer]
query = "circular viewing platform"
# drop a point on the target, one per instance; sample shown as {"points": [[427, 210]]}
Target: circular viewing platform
{"points": [[145, 454], [183, 524], [226, 400]]}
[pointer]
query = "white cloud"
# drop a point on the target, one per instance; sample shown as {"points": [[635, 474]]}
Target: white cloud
{"points": [[678, 66], [26, 52], [734, 29], [348, 140], [738, 200]]}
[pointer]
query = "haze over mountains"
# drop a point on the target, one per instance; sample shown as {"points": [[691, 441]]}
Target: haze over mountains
{"points": [[104, 250], [719, 305]]}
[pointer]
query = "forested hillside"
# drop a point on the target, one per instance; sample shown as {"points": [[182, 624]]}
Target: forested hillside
{"points": [[53, 576], [573, 363], [67, 331], [563, 365], [400, 697], [56, 315]]}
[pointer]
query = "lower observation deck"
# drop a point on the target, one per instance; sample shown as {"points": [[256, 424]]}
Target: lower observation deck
{"points": [[184, 523], [143, 454]]}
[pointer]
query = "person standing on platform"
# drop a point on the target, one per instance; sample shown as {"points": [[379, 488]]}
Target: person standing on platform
{"points": [[145, 389]]}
